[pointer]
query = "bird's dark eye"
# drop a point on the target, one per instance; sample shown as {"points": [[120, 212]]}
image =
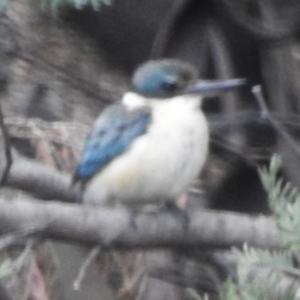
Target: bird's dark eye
{"points": [[170, 86]]}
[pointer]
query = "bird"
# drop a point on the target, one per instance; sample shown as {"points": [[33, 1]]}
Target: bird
{"points": [[149, 147]]}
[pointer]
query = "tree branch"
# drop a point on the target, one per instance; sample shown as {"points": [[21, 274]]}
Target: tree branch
{"points": [[113, 227], [43, 182], [7, 149], [265, 114]]}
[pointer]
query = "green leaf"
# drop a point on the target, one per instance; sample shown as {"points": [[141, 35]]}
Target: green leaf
{"points": [[5, 267], [55, 5], [194, 295], [3, 5]]}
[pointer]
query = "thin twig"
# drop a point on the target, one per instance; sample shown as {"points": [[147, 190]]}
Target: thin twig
{"points": [[86, 263], [7, 147], [28, 250], [16, 239], [265, 113], [20, 261], [229, 147]]}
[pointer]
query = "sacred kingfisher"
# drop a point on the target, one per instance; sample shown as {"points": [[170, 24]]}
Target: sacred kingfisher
{"points": [[152, 145]]}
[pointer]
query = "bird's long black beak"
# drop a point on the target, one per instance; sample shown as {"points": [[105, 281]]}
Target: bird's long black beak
{"points": [[214, 87]]}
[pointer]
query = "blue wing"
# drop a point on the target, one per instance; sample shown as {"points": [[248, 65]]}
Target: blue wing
{"points": [[113, 134]]}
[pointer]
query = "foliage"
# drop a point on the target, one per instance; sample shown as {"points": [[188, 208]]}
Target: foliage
{"points": [[284, 200], [5, 267], [3, 4], [265, 274], [54, 5], [194, 295], [230, 291], [78, 4], [273, 274]]}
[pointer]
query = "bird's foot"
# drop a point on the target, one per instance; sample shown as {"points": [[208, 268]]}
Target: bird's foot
{"points": [[132, 219], [178, 212]]}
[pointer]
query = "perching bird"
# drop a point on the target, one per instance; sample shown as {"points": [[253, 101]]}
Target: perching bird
{"points": [[152, 145]]}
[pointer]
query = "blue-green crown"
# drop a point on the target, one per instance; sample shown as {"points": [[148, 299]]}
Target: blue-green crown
{"points": [[163, 78]]}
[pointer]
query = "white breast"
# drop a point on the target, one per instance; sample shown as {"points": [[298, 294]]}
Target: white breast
{"points": [[161, 164]]}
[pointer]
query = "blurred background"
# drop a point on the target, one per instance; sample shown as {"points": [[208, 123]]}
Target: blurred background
{"points": [[63, 61]]}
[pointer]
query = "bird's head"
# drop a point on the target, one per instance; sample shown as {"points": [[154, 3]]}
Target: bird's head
{"points": [[168, 78]]}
